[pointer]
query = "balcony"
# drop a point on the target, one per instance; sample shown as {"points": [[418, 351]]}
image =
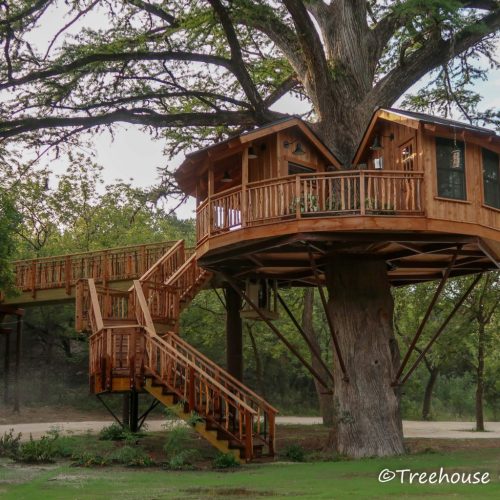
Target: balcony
{"points": [[351, 193]]}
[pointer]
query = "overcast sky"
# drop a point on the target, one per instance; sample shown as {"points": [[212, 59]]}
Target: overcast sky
{"points": [[134, 154]]}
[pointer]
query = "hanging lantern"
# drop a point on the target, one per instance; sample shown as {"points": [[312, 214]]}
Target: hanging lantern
{"points": [[456, 158], [263, 294]]}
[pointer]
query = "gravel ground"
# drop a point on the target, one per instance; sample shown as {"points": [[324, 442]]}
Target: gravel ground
{"points": [[412, 429]]}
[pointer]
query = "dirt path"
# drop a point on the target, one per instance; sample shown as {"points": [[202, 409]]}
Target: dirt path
{"points": [[412, 429]]}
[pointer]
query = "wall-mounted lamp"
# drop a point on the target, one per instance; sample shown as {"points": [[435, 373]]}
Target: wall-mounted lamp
{"points": [[377, 144], [226, 177], [298, 148]]}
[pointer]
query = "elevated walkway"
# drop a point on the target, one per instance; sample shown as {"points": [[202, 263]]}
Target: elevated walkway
{"points": [[52, 280], [134, 344]]}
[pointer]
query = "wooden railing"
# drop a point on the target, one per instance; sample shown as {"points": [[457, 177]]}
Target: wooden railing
{"points": [[323, 194], [114, 264], [265, 413], [133, 349]]}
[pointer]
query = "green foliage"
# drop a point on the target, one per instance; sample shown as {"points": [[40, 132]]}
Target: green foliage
{"points": [[183, 460], [113, 432], [88, 459], [194, 419], [131, 456], [178, 439], [177, 448], [43, 450], [9, 221], [9, 444], [225, 461], [295, 453]]}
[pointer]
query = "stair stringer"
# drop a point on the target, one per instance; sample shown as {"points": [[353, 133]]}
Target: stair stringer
{"points": [[200, 427]]}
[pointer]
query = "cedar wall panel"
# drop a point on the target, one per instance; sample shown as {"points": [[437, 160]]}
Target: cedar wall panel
{"points": [[472, 210], [391, 148], [311, 159]]}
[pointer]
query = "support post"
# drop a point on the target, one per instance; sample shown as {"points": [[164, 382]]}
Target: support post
{"points": [[6, 367], [234, 334], [134, 411], [126, 410], [18, 363]]}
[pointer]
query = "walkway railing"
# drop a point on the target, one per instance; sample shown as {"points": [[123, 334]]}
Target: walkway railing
{"points": [[132, 348], [115, 264], [323, 194]]}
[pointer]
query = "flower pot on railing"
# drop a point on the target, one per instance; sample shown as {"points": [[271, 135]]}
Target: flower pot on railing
{"points": [[309, 204], [376, 207]]}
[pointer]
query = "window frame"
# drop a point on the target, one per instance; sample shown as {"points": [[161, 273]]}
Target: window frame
{"points": [[483, 179], [450, 169]]}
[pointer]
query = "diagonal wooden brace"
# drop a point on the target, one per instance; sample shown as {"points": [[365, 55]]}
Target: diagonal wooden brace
{"points": [[275, 330], [329, 318], [427, 315], [305, 337], [440, 330]]}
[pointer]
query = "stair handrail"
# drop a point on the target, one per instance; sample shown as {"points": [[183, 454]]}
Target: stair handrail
{"points": [[176, 250], [148, 326], [174, 338], [95, 314]]}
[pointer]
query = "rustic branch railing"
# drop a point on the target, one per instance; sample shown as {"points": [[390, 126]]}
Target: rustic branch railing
{"points": [[322, 194], [132, 348], [114, 264]]}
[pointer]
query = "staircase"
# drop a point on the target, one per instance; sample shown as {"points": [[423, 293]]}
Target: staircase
{"points": [[134, 345]]}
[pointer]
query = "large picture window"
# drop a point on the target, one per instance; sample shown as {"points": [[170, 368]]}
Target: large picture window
{"points": [[491, 178], [450, 161]]}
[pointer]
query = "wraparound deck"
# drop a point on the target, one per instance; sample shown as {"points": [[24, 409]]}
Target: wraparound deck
{"points": [[385, 209]]}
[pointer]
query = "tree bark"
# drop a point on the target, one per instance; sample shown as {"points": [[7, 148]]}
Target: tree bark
{"points": [[480, 379], [234, 334], [429, 388], [325, 400], [367, 417]]}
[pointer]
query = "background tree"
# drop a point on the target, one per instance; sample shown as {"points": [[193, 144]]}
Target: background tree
{"points": [[483, 317], [205, 68]]}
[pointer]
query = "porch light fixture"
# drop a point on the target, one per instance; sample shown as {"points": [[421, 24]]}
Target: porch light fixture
{"points": [[226, 177], [377, 144], [251, 153], [299, 150]]}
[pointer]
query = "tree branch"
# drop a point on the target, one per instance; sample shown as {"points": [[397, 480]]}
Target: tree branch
{"points": [[168, 55], [155, 11], [433, 54], [239, 68], [135, 116]]}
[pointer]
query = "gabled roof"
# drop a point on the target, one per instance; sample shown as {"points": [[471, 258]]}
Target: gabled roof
{"points": [[189, 166], [415, 120]]}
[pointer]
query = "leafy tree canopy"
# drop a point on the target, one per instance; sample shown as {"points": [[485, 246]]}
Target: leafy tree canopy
{"points": [[195, 70]]}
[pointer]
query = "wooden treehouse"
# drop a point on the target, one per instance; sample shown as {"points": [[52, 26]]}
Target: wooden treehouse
{"points": [[274, 209]]}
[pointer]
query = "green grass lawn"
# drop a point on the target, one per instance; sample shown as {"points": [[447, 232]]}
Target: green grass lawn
{"points": [[329, 480]]}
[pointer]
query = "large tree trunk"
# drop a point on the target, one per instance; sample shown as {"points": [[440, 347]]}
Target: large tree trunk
{"points": [[480, 380], [429, 388], [367, 417], [324, 398]]}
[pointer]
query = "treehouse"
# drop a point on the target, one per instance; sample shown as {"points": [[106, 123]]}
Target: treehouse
{"points": [[419, 188], [275, 208]]}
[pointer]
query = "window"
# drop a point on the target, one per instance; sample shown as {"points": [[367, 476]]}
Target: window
{"points": [[297, 168], [450, 161], [491, 178], [407, 155]]}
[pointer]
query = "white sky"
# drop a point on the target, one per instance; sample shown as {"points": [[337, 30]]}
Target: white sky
{"points": [[134, 154]]}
